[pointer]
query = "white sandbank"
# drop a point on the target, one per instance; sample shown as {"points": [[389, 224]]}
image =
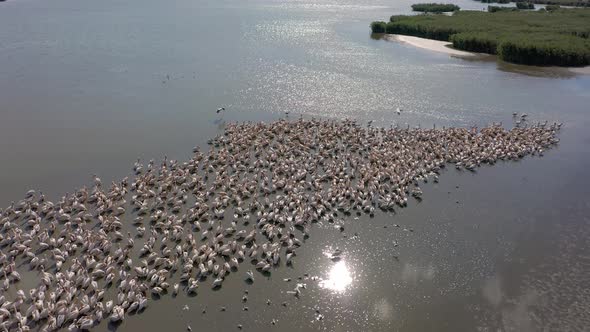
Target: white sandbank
{"points": [[429, 44], [580, 70], [445, 47]]}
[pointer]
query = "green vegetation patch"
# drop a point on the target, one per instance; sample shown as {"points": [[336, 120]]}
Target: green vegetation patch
{"points": [[434, 7], [573, 3], [494, 9], [559, 37], [378, 27], [525, 5]]}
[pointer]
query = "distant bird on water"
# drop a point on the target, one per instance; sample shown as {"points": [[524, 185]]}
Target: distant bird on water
{"points": [[398, 111], [220, 109]]}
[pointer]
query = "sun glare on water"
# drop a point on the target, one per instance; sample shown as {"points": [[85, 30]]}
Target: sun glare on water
{"points": [[339, 278]]}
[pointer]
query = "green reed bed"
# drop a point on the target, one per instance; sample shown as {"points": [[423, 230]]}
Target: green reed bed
{"points": [[494, 9], [571, 3], [434, 7], [559, 37]]}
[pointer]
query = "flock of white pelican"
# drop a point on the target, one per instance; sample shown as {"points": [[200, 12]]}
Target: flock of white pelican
{"points": [[104, 251]]}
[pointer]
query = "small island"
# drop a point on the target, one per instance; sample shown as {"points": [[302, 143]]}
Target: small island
{"points": [[558, 37], [434, 7]]}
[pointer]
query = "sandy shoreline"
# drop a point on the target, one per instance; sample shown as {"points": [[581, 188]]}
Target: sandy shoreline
{"points": [[444, 47], [429, 44], [580, 70]]}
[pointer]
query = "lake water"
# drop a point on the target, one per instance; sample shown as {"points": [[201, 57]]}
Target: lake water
{"points": [[89, 87]]}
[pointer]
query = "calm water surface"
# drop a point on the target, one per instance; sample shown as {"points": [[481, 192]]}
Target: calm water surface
{"points": [[89, 87]]}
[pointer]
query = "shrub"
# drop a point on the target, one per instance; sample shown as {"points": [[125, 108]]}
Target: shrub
{"points": [[434, 7], [573, 3], [378, 27], [480, 42], [494, 9], [552, 7], [544, 51], [525, 5]]}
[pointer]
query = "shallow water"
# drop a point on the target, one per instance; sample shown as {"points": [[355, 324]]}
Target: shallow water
{"points": [[89, 87]]}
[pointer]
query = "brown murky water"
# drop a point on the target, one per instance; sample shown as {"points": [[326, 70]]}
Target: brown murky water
{"points": [[90, 87]]}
